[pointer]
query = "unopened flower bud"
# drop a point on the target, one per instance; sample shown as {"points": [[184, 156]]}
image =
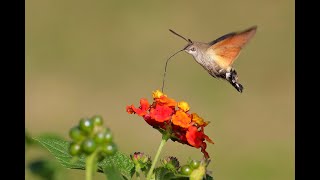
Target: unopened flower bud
{"points": [[171, 163], [141, 160]]}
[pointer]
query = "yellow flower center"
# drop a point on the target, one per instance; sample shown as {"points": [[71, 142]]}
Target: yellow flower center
{"points": [[157, 94], [184, 106]]}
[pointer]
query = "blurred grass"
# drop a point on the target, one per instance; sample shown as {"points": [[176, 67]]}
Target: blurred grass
{"points": [[85, 58]]}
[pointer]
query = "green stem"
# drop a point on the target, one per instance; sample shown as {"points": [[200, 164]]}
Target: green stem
{"points": [[163, 141], [138, 176], [90, 165], [138, 172]]}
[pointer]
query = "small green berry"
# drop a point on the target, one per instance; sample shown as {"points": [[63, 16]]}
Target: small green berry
{"points": [[86, 125], [97, 120], [194, 164], [109, 149], [74, 149], [75, 134], [186, 170], [88, 146], [108, 137], [99, 137]]}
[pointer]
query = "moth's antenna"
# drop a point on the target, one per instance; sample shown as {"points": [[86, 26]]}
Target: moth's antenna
{"points": [[165, 68], [188, 40]]}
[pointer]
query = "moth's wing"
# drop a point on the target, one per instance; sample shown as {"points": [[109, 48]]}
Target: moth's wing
{"points": [[226, 49]]}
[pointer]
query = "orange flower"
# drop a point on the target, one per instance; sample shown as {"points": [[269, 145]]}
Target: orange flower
{"points": [[181, 119], [172, 118], [161, 113], [164, 100]]}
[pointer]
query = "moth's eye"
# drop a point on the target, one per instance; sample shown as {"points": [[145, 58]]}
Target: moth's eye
{"points": [[193, 49]]}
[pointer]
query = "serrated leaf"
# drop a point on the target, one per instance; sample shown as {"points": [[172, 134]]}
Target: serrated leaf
{"points": [[120, 161], [59, 148], [162, 173], [28, 139], [112, 173], [44, 168]]}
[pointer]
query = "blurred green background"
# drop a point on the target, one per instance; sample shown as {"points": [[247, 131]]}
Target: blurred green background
{"points": [[95, 57]]}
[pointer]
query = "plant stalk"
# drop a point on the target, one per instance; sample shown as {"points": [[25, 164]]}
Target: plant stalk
{"points": [[155, 160], [90, 165]]}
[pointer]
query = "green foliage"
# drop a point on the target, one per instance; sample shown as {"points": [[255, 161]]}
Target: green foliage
{"points": [[120, 161], [162, 173], [59, 149], [28, 140], [118, 166], [45, 169], [113, 173]]}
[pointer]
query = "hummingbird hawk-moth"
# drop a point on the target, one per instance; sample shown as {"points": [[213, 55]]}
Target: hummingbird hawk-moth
{"points": [[217, 56]]}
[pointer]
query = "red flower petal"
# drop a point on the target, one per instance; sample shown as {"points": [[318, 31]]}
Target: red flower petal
{"points": [[179, 134], [194, 137], [129, 109], [144, 104], [161, 113], [205, 136], [203, 150], [142, 110], [155, 124]]}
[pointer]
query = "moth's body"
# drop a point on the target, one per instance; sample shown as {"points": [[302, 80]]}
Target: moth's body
{"points": [[216, 57], [205, 60]]}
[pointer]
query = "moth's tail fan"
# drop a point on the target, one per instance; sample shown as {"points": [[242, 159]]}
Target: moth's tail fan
{"points": [[232, 77]]}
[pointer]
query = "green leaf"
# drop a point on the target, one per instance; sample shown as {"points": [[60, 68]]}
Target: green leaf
{"points": [[28, 140], [162, 173], [120, 161], [59, 148], [112, 173], [43, 168]]}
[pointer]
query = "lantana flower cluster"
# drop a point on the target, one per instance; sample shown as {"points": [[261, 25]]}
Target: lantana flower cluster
{"points": [[173, 119]]}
